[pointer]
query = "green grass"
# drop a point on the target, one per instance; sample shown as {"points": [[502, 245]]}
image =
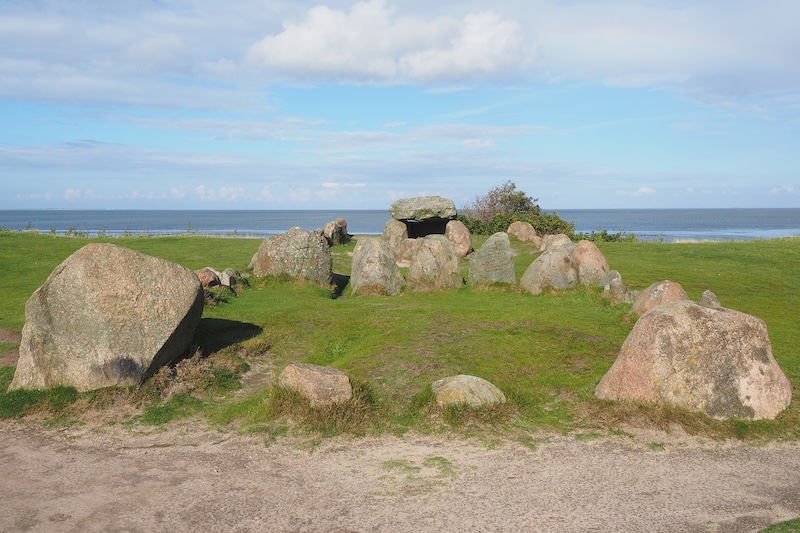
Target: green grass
{"points": [[18, 403], [545, 352], [791, 526]]}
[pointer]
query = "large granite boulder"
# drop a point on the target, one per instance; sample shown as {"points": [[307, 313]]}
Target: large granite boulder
{"points": [[320, 385], [107, 316], [554, 268], [297, 253], [713, 360], [524, 231], [396, 234], [659, 293], [554, 241], [458, 233], [470, 390], [592, 264], [493, 262], [435, 265], [336, 232], [375, 269], [423, 208]]}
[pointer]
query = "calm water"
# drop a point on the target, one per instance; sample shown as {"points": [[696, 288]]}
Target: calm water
{"points": [[647, 224]]}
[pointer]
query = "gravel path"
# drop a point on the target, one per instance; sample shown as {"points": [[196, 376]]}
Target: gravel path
{"points": [[187, 480]]}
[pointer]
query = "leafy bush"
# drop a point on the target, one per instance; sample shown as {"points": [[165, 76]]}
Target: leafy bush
{"points": [[503, 205], [544, 223], [605, 236]]}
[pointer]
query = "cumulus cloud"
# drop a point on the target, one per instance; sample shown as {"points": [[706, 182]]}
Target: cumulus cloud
{"points": [[372, 42]]}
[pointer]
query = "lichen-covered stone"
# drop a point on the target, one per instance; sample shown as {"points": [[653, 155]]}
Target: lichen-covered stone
{"points": [[336, 232], [715, 360], [493, 262], [107, 316], [435, 265], [297, 253], [554, 268], [375, 270], [423, 208], [470, 390]]}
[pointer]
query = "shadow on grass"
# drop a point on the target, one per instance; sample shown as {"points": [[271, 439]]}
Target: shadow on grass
{"points": [[214, 334], [340, 282]]}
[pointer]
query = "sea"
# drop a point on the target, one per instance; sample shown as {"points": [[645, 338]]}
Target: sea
{"points": [[665, 225]]}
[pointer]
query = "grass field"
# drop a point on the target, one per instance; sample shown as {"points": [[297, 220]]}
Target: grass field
{"points": [[545, 352]]}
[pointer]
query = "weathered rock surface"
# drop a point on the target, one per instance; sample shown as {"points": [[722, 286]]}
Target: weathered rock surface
{"points": [[524, 231], [554, 268], [435, 265], [709, 299], [297, 253], [713, 360], [230, 277], [592, 264], [460, 236], [396, 234], [470, 390], [493, 262], [208, 277], [107, 316], [320, 385], [375, 269], [336, 232], [423, 208], [615, 289], [660, 293], [554, 241]]}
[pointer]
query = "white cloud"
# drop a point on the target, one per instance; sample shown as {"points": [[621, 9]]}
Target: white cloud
{"points": [[223, 193], [784, 189], [372, 43], [641, 191]]}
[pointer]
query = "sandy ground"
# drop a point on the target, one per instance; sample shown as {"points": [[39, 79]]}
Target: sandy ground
{"points": [[187, 479], [96, 477]]}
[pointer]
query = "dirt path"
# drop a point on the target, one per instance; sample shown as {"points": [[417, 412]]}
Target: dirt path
{"points": [[185, 480]]}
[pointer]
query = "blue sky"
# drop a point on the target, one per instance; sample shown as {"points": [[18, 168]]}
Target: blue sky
{"points": [[279, 104]]}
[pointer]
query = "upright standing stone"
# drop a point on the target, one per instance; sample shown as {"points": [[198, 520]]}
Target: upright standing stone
{"points": [[459, 235], [493, 262], [107, 316], [592, 264], [435, 265], [375, 270]]}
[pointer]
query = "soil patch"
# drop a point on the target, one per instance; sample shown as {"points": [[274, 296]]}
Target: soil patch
{"points": [[9, 357], [186, 479]]}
